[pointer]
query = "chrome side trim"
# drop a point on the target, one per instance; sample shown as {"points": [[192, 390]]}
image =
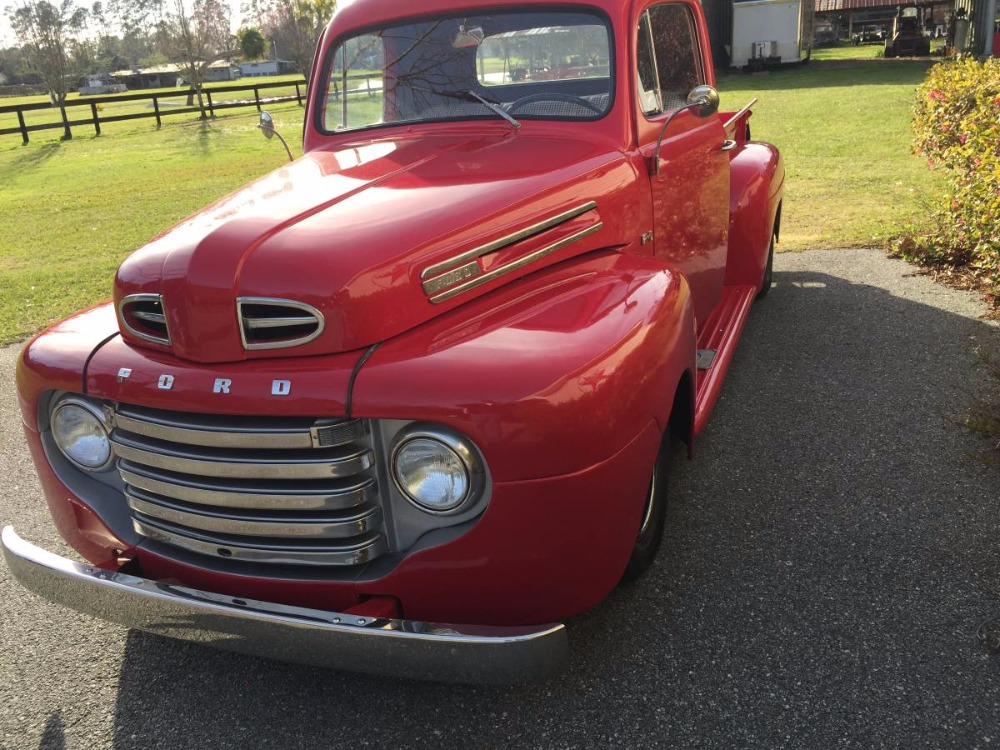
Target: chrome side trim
{"points": [[220, 434], [245, 323], [362, 521], [131, 298], [283, 552], [353, 492], [334, 640], [320, 466], [515, 265], [510, 239]]}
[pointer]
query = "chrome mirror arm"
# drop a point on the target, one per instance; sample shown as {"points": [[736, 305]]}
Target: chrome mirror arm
{"points": [[703, 100], [266, 126]]}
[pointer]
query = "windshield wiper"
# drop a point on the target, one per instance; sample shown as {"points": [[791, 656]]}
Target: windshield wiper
{"points": [[496, 108]]}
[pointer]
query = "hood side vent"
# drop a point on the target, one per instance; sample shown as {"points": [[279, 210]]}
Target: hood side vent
{"points": [[277, 323], [143, 316]]}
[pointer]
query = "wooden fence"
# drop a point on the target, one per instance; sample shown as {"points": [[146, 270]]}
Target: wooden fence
{"points": [[162, 106]]}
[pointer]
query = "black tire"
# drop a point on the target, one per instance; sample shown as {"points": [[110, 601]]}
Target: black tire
{"points": [[768, 279], [651, 526]]}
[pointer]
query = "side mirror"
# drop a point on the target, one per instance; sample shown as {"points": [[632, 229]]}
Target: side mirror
{"points": [[703, 101], [266, 126]]}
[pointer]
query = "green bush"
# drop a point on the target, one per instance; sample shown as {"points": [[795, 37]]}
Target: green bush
{"points": [[957, 124]]}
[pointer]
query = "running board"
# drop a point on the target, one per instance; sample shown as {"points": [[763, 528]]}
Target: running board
{"points": [[720, 334]]}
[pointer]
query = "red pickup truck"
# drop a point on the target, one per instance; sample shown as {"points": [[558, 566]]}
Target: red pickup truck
{"points": [[403, 405]]}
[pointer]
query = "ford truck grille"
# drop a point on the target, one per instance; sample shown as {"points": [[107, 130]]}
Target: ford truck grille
{"points": [[257, 489]]}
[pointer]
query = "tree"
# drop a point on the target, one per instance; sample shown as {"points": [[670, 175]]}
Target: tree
{"points": [[45, 32], [252, 43], [139, 22], [294, 27], [197, 39]]}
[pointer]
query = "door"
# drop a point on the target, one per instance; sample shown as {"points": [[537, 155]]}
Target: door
{"points": [[690, 192]]}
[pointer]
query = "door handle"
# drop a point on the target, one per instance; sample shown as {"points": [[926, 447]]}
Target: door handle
{"points": [[727, 145]]}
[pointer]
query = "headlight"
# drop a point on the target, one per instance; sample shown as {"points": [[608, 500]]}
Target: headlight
{"points": [[436, 470], [79, 431]]}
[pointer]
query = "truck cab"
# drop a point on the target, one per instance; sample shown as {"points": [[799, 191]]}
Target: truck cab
{"points": [[405, 404]]}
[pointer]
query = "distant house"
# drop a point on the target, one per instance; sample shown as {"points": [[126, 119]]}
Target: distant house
{"points": [[171, 75], [223, 70], [155, 77], [267, 67]]}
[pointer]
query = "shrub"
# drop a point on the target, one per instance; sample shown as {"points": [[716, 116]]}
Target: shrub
{"points": [[957, 124]]}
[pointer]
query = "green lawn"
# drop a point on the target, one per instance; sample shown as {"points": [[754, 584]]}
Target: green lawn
{"points": [[71, 211], [844, 133]]}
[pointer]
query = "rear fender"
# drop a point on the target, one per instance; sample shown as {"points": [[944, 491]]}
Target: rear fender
{"points": [[549, 375], [756, 189]]}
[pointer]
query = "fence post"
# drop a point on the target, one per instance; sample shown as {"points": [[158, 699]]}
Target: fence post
{"points": [[24, 128], [67, 133], [156, 110], [256, 96], [211, 111], [298, 94], [97, 121]]}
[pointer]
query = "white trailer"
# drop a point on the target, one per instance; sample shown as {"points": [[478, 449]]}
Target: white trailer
{"points": [[768, 33]]}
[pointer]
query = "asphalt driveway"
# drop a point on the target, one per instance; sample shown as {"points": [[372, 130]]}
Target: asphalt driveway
{"points": [[832, 552]]}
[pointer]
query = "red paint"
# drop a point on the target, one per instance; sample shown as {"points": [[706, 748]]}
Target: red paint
{"points": [[563, 373]]}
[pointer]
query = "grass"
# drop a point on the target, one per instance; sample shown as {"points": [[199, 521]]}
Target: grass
{"points": [[71, 211], [845, 137]]}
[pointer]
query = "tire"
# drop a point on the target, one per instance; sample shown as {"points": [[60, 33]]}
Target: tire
{"points": [[768, 278], [654, 515]]}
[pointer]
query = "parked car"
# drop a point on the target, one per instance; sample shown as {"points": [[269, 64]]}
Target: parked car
{"points": [[869, 34]]}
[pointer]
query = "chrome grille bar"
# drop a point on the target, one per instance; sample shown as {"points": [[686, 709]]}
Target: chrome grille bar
{"points": [[360, 551], [227, 432], [360, 521], [259, 495], [255, 489], [332, 463]]}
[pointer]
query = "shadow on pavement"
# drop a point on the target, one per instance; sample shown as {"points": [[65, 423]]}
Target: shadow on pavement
{"points": [[830, 554]]}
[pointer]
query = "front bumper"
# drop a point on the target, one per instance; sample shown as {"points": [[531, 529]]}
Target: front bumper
{"points": [[406, 648]]}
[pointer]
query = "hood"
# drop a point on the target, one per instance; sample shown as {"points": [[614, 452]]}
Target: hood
{"points": [[345, 248]]}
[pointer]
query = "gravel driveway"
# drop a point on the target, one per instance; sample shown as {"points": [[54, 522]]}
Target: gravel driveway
{"points": [[832, 551]]}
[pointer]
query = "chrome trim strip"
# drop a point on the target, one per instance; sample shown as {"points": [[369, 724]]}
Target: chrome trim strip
{"points": [[246, 495], [232, 436], [150, 317], [263, 550], [244, 467], [129, 299], [362, 521], [510, 239], [255, 323], [445, 280], [401, 648], [276, 302], [515, 265]]}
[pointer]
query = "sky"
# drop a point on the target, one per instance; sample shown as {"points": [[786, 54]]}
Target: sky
{"points": [[7, 34]]}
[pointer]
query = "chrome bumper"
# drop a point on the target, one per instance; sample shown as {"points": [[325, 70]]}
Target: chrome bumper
{"points": [[406, 648]]}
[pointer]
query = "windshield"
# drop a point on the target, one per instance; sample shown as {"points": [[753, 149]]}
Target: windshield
{"points": [[511, 66]]}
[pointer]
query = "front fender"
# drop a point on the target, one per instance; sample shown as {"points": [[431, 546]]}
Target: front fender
{"points": [[549, 375]]}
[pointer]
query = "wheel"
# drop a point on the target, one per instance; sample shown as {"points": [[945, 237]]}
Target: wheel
{"points": [[768, 278], [650, 534], [553, 96]]}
